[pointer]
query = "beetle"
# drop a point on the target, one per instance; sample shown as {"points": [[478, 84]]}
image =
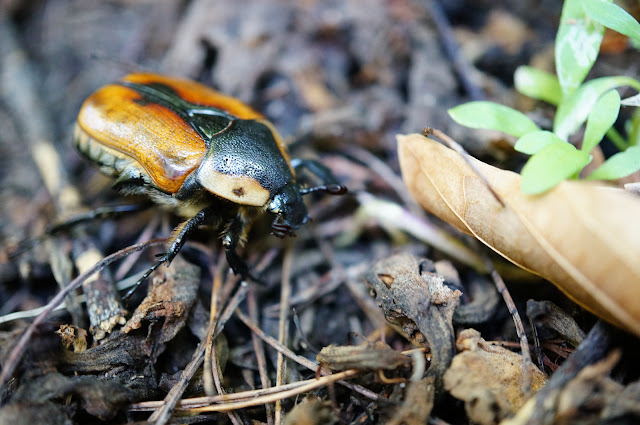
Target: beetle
{"points": [[204, 155]]}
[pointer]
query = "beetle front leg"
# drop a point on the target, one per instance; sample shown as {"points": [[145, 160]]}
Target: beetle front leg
{"points": [[235, 234], [182, 233]]}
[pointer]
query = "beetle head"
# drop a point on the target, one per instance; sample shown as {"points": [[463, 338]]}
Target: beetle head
{"points": [[291, 211]]}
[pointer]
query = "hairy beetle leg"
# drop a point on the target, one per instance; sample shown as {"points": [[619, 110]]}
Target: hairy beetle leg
{"points": [[183, 233], [236, 232], [240, 267]]}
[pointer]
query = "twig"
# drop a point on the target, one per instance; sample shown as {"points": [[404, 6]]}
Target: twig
{"points": [[190, 403], [524, 344], [299, 359], [541, 409], [211, 373], [146, 234], [450, 45], [283, 328], [14, 357], [306, 387], [164, 412], [258, 348], [162, 415], [381, 168], [208, 378]]}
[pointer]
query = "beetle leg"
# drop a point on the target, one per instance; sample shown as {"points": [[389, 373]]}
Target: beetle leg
{"points": [[96, 214], [183, 232], [234, 234], [330, 182], [320, 170]]}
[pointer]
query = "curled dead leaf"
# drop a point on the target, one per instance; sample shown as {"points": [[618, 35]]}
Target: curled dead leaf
{"points": [[489, 379], [582, 237]]}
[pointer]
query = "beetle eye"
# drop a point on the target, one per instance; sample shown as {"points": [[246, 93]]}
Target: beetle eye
{"points": [[274, 206]]}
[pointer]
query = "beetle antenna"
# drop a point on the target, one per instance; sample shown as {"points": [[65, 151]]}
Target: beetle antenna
{"points": [[331, 189]]}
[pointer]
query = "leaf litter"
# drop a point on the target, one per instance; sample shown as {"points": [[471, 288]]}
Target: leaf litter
{"points": [[388, 67]]}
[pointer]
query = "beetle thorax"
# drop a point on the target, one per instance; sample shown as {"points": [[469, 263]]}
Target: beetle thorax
{"points": [[245, 164]]}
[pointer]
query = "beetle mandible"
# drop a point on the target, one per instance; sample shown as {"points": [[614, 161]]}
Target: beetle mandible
{"points": [[201, 154]]}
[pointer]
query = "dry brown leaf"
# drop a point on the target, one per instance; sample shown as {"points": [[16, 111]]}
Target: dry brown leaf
{"points": [[489, 379], [582, 237]]}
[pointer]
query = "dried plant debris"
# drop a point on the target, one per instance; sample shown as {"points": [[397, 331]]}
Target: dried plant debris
{"points": [[591, 397], [73, 338], [419, 302], [129, 356], [479, 300], [548, 315], [311, 411], [489, 379], [416, 402], [88, 394], [366, 356], [169, 299], [580, 236]]}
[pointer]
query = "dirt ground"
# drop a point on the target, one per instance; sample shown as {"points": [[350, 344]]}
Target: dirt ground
{"points": [[339, 80]]}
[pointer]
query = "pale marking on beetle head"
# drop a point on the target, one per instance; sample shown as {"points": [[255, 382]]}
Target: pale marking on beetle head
{"points": [[239, 189]]}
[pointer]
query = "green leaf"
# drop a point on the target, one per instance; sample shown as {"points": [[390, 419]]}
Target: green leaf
{"points": [[577, 45], [574, 109], [493, 116], [532, 143], [602, 117], [612, 16], [551, 165], [619, 165], [632, 126], [538, 84]]}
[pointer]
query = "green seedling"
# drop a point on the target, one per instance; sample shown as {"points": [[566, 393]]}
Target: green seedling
{"points": [[595, 103]]}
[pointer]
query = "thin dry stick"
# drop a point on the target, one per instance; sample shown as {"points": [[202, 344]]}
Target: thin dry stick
{"points": [[377, 166], [308, 386], [163, 414], [212, 372], [285, 294], [275, 343], [299, 359], [450, 44], [258, 348], [14, 357], [234, 417], [146, 234], [524, 344], [465, 155], [189, 403], [366, 303], [209, 387]]}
